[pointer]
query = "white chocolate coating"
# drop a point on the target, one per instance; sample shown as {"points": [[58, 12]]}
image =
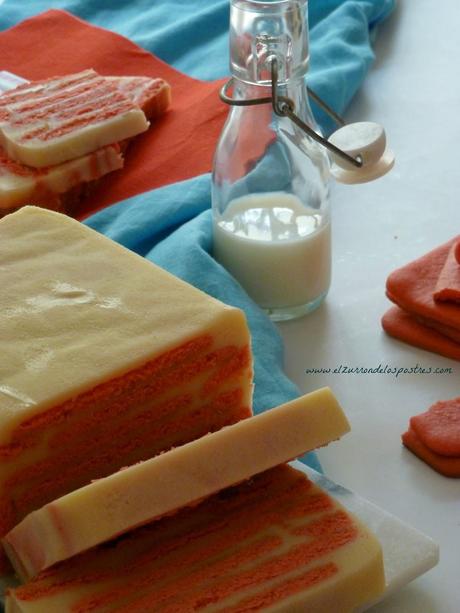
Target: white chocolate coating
{"points": [[77, 309]]}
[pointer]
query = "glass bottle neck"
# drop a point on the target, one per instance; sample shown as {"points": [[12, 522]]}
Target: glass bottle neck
{"points": [[294, 89], [263, 29]]}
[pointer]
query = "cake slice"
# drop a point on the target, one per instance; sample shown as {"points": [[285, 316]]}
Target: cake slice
{"points": [[54, 120], [276, 543], [181, 477], [106, 360], [20, 185], [61, 186]]}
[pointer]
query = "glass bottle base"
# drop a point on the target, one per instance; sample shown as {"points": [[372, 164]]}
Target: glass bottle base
{"points": [[294, 312]]}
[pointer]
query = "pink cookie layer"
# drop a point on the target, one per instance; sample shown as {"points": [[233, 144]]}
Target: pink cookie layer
{"points": [[276, 542]]}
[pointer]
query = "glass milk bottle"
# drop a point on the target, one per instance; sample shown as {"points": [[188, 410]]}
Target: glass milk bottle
{"points": [[269, 186]]}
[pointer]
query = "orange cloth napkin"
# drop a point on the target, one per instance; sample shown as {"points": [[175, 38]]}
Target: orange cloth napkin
{"points": [[180, 145], [421, 320]]}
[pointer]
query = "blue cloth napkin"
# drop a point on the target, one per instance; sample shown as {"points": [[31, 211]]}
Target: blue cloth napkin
{"points": [[172, 225]]}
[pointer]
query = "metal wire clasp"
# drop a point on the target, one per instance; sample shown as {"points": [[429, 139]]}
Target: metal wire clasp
{"points": [[285, 107]]}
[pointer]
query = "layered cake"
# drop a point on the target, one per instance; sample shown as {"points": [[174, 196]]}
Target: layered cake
{"points": [[106, 360], [54, 120], [275, 543], [181, 477], [60, 186]]}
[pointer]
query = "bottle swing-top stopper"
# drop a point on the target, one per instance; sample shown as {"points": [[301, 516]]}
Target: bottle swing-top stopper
{"points": [[364, 141], [358, 150]]}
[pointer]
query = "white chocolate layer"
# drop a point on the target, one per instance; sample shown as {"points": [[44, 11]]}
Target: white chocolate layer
{"points": [[49, 122], [109, 507]]}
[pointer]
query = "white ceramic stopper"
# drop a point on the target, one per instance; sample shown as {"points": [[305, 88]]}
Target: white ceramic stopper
{"points": [[366, 140]]}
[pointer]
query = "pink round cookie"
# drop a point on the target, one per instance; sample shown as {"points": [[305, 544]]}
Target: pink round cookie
{"points": [[439, 427]]}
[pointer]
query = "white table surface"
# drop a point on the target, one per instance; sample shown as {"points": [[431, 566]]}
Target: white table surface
{"points": [[413, 89]]}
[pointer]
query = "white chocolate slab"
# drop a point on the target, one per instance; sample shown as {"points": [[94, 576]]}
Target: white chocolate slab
{"points": [[49, 122]]}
